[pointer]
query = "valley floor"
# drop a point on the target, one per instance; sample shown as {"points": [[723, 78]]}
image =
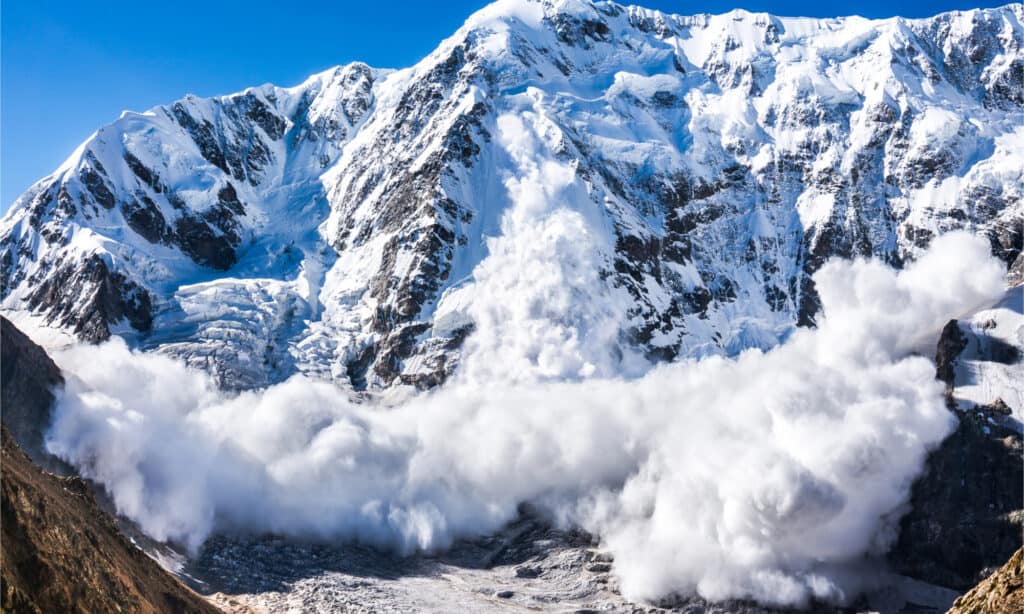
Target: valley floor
{"points": [[529, 567]]}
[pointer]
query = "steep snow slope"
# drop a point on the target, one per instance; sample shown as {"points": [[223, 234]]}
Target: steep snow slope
{"points": [[191, 227], [989, 368], [589, 187]]}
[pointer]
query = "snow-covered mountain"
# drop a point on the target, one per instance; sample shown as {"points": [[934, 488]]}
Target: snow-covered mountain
{"points": [[561, 189]]}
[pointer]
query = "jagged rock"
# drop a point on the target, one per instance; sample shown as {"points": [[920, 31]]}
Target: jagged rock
{"points": [[87, 297], [62, 553], [952, 342], [966, 511], [1000, 593], [527, 571]]}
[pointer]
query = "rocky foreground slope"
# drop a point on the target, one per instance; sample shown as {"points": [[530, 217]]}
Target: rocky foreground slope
{"points": [[658, 184], [1000, 593], [62, 553], [59, 551], [28, 380]]}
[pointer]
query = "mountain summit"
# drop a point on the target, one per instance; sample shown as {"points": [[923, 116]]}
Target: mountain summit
{"points": [[596, 187]]}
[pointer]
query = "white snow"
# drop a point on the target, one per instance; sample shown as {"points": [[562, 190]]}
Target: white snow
{"points": [[980, 381]]}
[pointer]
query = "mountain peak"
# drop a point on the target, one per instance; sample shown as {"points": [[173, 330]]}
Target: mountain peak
{"points": [[703, 167]]}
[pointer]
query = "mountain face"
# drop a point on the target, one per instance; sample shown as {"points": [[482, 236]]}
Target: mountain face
{"points": [[591, 187]]}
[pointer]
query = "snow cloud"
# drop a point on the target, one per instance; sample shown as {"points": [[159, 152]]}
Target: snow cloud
{"points": [[541, 310], [766, 476]]}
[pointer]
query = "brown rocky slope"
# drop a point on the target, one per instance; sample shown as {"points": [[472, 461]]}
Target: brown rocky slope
{"points": [[59, 552], [1000, 593], [62, 553]]}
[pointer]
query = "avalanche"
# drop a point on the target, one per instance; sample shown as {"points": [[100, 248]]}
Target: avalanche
{"points": [[769, 476]]}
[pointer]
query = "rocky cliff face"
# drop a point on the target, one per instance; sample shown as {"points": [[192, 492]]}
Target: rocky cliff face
{"points": [[661, 185], [967, 515], [28, 380], [967, 510]]}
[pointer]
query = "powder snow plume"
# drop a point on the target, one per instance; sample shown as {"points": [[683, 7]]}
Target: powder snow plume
{"points": [[766, 476]]}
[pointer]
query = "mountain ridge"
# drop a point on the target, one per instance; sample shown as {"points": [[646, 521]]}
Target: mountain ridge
{"points": [[684, 175]]}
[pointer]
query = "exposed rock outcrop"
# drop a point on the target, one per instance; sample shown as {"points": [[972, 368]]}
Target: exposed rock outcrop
{"points": [[28, 379], [951, 343], [1000, 593], [967, 510]]}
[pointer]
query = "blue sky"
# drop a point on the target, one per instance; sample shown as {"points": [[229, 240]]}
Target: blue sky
{"points": [[69, 66]]}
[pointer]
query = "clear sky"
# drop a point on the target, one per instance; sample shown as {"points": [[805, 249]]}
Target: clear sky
{"points": [[70, 66]]}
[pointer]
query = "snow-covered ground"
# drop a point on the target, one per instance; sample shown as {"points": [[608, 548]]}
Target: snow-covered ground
{"points": [[991, 366]]}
